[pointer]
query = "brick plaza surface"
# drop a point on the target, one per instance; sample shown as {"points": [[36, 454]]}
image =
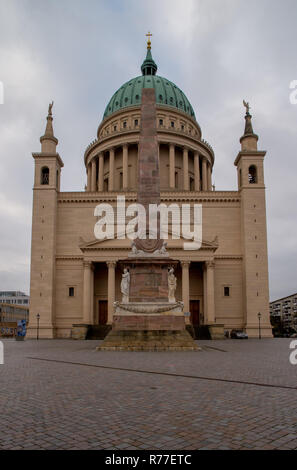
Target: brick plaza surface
{"points": [[66, 405]]}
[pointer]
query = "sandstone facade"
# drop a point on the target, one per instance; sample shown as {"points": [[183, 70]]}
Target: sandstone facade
{"points": [[75, 278]]}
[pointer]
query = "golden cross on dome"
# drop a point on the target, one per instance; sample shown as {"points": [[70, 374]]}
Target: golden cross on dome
{"points": [[149, 35]]}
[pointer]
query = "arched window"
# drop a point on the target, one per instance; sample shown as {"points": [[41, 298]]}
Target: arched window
{"points": [[240, 179], [252, 174], [44, 175]]}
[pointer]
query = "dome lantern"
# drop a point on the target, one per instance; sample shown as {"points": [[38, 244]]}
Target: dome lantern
{"points": [[167, 93], [149, 67]]}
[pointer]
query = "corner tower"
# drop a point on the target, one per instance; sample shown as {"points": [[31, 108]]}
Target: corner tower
{"points": [[250, 170], [48, 166]]}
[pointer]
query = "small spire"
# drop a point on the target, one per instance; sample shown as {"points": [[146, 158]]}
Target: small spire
{"points": [[248, 120], [48, 140], [149, 67], [49, 124], [249, 138], [248, 130]]}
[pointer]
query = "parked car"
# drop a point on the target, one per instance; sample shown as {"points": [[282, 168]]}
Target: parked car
{"points": [[238, 334]]}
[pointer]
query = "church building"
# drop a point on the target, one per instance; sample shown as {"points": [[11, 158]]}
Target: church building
{"points": [[76, 278]]}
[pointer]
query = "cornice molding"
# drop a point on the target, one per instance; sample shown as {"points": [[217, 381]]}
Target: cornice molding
{"points": [[131, 196], [47, 155], [172, 249], [249, 154], [165, 136], [127, 111]]}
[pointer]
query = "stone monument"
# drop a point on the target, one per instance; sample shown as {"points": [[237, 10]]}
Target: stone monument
{"points": [[148, 317]]}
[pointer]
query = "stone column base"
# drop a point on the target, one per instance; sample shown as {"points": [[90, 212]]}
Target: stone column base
{"points": [[148, 327], [45, 332], [79, 331], [216, 331], [143, 340], [253, 331]]}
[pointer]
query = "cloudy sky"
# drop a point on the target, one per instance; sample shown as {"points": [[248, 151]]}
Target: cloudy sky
{"points": [[78, 52]]}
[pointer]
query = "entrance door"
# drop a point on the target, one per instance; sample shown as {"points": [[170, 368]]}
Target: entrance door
{"points": [[194, 309], [102, 312]]}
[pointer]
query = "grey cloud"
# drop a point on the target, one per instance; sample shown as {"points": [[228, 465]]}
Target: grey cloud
{"points": [[79, 52]]}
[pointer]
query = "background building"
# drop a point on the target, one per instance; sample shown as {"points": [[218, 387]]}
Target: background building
{"points": [[283, 312], [10, 314], [75, 278], [14, 297], [13, 313]]}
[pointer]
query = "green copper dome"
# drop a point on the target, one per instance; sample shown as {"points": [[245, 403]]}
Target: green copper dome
{"points": [[167, 93]]}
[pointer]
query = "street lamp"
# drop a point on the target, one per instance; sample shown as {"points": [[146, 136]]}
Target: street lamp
{"points": [[38, 318], [259, 316]]}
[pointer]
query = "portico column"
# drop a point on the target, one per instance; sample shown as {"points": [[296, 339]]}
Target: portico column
{"points": [[93, 184], [89, 174], [204, 174], [186, 287], [172, 166], [111, 290], [196, 171], [125, 167], [101, 174], [209, 176], [87, 292], [186, 168], [111, 170], [204, 295], [92, 295], [210, 265]]}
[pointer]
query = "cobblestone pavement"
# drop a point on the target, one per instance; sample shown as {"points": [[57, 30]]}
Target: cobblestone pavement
{"points": [[62, 394]]}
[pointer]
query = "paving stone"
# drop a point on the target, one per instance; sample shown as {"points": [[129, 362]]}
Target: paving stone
{"points": [[207, 404]]}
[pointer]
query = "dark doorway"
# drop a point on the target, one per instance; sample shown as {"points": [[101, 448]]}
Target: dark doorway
{"points": [[195, 313], [100, 330], [102, 312]]}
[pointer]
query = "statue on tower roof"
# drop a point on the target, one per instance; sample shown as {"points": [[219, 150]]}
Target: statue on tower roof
{"points": [[247, 107], [50, 107]]}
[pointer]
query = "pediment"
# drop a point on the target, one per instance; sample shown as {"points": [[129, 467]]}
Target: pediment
{"points": [[125, 244]]}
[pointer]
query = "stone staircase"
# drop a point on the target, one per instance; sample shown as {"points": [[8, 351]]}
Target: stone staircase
{"points": [[145, 340]]}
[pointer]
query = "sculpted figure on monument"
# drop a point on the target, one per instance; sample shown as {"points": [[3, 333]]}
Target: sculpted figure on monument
{"points": [[125, 286], [135, 250], [171, 286]]}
